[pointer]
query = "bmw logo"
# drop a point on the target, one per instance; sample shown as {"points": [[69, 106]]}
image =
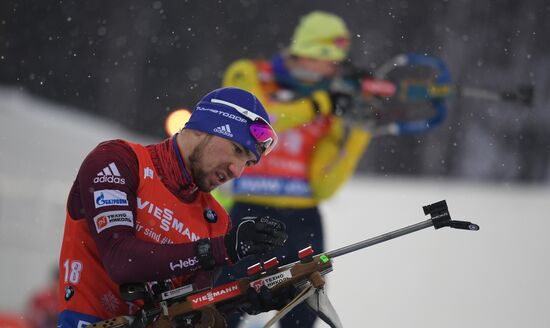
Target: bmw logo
{"points": [[69, 292], [210, 215]]}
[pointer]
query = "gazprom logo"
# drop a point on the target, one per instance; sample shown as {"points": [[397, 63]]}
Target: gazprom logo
{"points": [[109, 197]]}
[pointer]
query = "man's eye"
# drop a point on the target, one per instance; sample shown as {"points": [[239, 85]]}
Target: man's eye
{"points": [[238, 149], [250, 163]]}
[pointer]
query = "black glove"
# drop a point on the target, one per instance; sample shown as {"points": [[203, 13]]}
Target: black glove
{"points": [[254, 235], [266, 300], [342, 103]]}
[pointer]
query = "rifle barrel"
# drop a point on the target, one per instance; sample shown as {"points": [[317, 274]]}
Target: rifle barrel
{"points": [[379, 239], [372, 241]]}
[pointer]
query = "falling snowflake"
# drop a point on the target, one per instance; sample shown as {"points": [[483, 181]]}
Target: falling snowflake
{"points": [[110, 302]]}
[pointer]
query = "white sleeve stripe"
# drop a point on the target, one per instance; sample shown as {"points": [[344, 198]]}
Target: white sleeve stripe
{"points": [[114, 169]]}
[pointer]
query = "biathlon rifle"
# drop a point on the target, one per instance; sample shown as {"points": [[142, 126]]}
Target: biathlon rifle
{"points": [[383, 89], [186, 307]]}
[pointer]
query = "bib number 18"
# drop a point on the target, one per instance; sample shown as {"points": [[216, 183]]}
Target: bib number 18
{"points": [[72, 271]]}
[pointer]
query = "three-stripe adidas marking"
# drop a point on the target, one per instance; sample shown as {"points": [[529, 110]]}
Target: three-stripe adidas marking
{"points": [[225, 130], [109, 174]]}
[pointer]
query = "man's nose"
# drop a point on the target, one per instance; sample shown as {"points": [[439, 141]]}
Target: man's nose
{"points": [[236, 169]]}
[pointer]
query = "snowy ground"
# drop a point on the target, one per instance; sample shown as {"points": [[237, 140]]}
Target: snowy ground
{"points": [[496, 277]]}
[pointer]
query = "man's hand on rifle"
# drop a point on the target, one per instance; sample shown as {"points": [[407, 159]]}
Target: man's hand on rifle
{"points": [[342, 103], [333, 102], [254, 235]]}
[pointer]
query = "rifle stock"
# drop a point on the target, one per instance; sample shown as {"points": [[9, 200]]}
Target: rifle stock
{"points": [[229, 297]]}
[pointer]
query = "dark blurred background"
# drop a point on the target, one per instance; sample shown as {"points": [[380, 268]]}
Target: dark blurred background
{"points": [[133, 62]]}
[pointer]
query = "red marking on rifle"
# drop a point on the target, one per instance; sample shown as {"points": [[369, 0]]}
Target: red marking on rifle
{"points": [[271, 263], [253, 269], [214, 295], [308, 251]]}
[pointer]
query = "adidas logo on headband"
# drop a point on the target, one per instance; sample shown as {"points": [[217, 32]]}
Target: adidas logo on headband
{"points": [[225, 130]]}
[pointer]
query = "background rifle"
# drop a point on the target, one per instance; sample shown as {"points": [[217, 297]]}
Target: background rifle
{"points": [[185, 307], [408, 94]]}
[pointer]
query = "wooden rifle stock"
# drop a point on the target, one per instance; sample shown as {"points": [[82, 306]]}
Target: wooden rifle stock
{"points": [[229, 297]]}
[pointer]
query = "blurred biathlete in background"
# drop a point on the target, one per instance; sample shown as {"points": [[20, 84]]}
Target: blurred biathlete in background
{"points": [[145, 213], [317, 151], [41, 310]]}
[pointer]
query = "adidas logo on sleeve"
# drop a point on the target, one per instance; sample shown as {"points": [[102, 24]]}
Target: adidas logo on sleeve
{"points": [[109, 174]]}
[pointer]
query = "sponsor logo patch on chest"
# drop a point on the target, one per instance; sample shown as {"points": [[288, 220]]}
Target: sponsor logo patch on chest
{"points": [[167, 221]]}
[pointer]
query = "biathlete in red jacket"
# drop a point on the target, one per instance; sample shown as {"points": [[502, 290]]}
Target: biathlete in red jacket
{"points": [[144, 213]]}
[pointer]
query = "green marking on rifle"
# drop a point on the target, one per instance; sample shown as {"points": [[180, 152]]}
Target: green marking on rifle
{"points": [[324, 258]]}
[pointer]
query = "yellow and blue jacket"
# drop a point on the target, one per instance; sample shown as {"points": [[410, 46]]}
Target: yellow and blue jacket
{"points": [[316, 152]]}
